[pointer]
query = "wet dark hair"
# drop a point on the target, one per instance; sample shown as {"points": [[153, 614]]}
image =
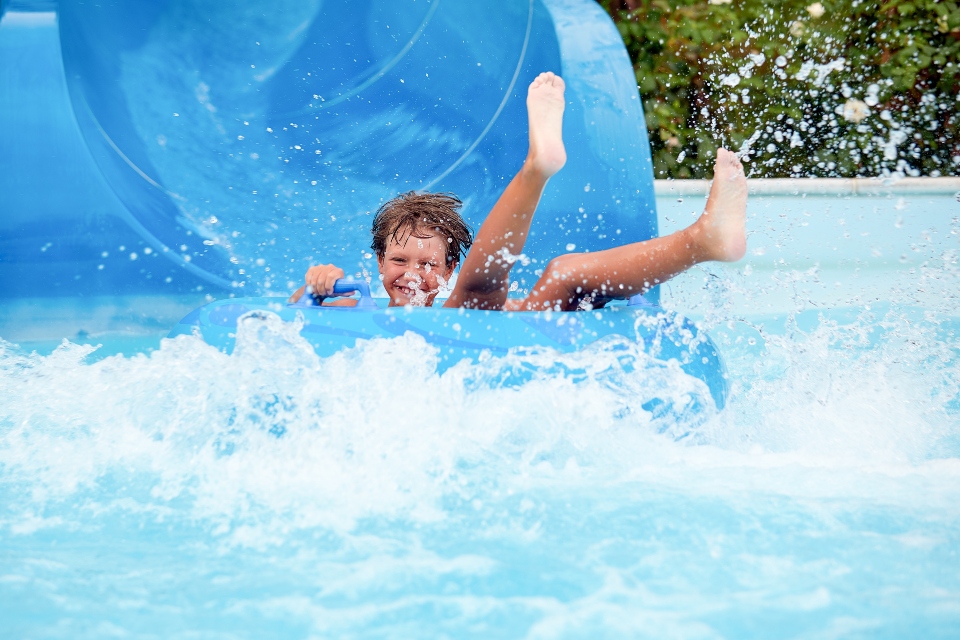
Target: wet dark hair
{"points": [[421, 215]]}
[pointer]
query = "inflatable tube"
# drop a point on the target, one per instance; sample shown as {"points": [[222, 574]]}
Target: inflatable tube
{"points": [[466, 333]]}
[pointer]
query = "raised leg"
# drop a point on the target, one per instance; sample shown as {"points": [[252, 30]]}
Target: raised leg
{"points": [[484, 276], [719, 234]]}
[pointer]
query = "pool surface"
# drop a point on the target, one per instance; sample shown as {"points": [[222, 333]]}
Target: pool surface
{"points": [[158, 488]]}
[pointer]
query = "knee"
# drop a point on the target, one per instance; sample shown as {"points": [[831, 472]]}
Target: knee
{"points": [[563, 267], [563, 276]]}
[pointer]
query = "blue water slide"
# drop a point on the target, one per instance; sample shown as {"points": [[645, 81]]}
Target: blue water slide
{"points": [[243, 141]]}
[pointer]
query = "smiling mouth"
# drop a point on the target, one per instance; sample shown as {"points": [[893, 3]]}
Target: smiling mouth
{"points": [[409, 291]]}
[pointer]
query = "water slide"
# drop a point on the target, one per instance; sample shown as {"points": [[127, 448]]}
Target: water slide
{"points": [[165, 145]]}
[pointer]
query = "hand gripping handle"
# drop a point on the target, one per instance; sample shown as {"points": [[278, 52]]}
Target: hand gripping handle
{"points": [[343, 285]]}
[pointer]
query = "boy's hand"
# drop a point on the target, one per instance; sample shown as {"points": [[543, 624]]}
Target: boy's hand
{"points": [[319, 280]]}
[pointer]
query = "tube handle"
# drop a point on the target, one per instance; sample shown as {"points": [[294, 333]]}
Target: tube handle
{"points": [[343, 285]]}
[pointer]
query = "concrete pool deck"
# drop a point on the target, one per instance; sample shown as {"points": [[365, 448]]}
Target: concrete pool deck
{"points": [[819, 186]]}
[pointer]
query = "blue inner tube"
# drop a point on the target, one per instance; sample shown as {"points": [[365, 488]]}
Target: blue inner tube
{"points": [[473, 334]]}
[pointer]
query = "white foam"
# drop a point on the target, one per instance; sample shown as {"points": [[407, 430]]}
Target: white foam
{"points": [[274, 438]]}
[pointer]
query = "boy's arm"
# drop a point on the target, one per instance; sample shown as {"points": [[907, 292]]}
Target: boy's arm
{"points": [[297, 294]]}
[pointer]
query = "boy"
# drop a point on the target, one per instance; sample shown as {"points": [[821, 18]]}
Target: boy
{"points": [[419, 239]]}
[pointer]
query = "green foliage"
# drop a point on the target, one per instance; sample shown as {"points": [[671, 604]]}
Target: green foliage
{"points": [[831, 88]]}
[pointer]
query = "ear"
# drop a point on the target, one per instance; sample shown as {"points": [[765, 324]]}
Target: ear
{"points": [[380, 264]]}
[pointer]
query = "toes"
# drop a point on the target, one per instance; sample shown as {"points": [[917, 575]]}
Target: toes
{"points": [[548, 78], [552, 79], [728, 158], [728, 164]]}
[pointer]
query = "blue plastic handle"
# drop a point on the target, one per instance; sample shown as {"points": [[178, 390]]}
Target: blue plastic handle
{"points": [[349, 285], [343, 285]]}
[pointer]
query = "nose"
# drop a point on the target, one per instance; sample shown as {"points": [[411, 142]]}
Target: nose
{"points": [[415, 274]]}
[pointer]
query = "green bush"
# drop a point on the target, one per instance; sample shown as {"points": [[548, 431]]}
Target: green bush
{"points": [[845, 88]]}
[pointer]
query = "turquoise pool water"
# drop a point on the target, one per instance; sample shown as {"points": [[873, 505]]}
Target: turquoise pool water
{"points": [[158, 488]]}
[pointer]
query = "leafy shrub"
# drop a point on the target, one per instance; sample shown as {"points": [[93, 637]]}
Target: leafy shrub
{"points": [[803, 88]]}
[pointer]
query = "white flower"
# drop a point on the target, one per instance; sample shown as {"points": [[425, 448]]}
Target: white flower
{"points": [[720, 1], [797, 29], [855, 110], [815, 10]]}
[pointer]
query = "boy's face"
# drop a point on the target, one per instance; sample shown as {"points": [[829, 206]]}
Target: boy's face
{"points": [[414, 269]]}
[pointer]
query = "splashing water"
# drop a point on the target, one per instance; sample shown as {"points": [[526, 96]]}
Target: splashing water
{"points": [[365, 488], [275, 493], [815, 91], [420, 296], [376, 424]]}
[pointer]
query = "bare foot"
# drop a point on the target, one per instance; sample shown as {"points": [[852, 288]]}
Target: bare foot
{"points": [[545, 105], [721, 232]]}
